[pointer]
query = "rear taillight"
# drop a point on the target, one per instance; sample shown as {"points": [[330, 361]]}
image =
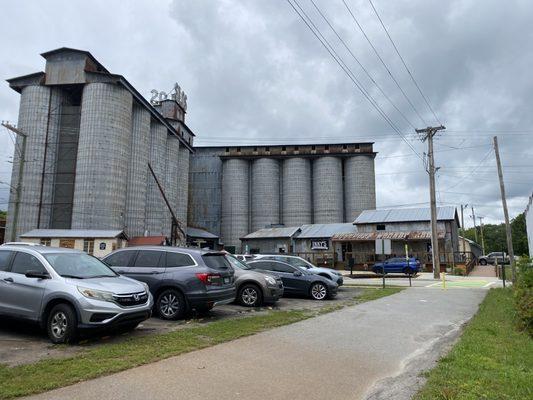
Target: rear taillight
{"points": [[209, 279]]}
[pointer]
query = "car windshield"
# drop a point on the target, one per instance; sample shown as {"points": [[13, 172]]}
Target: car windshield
{"points": [[236, 263], [78, 265]]}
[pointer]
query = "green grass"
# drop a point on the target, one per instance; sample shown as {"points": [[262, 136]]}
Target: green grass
{"points": [[492, 360], [114, 357]]}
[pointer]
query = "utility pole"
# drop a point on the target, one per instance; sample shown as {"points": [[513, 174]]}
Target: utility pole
{"points": [[428, 134], [463, 229], [18, 191], [475, 226], [508, 232], [482, 238]]}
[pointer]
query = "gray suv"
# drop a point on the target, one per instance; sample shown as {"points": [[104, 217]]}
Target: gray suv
{"points": [[66, 290], [180, 279]]}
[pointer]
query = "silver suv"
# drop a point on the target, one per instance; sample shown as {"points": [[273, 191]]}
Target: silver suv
{"points": [[66, 290]]}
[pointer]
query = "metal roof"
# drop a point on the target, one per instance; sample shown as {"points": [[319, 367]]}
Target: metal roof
{"points": [[272, 233], [405, 215], [200, 233], [325, 230], [371, 236], [73, 233]]}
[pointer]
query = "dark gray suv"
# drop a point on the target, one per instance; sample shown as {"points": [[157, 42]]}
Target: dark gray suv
{"points": [[180, 279]]}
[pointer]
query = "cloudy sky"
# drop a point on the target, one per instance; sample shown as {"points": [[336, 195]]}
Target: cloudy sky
{"points": [[254, 73]]}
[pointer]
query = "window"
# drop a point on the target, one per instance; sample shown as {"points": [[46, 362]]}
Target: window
{"points": [[263, 265], [24, 262], [296, 148], [148, 259], [313, 147], [380, 227], [178, 260], [267, 148], [46, 241], [88, 246], [227, 149], [344, 147], [283, 148], [216, 261], [326, 147], [280, 267], [5, 257], [255, 148], [120, 259]]}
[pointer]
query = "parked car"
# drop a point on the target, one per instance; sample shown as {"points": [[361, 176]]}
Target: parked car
{"points": [[397, 265], [180, 279], [66, 290], [254, 287], [301, 263], [244, 257], [297, 281], [495, 258]]}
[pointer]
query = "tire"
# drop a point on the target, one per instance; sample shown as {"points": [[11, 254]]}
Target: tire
{"points": [[62, 324], [408, 271], [250, 295], [318, 291], [482, 262], [170, 305]]}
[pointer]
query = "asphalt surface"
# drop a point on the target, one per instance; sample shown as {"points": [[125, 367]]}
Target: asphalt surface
{"points": [[373, 350]]}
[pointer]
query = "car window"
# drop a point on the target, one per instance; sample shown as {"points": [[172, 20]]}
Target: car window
{"points": [[216, 261], [178, 260], [148, 259], [5, 256], [78, 265], [120, 259], [280, 267], [298, 262], [263, 265], [24, 262]]}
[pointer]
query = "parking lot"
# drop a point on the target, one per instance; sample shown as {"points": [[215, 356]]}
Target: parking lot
{"points": [[23, 343]]}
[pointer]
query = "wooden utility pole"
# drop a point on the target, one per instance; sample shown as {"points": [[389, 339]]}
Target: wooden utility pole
{"points": [[463, 229], [428, 134], [508, 232], [481, 231], [475, 226], [18, 190]]}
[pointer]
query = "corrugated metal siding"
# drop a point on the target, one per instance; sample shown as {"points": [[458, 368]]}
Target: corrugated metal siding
{"points": [[404, 215], [325, 230], [270, 233]]}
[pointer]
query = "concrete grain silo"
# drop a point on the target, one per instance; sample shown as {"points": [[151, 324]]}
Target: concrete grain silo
{"points": [[103, 157], [265, 193], [183, 185], [156, 211], [359, 185], [296, 193], [138, 172], [327, 190], [235, 201]]}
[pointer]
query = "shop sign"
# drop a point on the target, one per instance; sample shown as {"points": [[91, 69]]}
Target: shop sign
{"points": [[175, 94], [320, 244]]}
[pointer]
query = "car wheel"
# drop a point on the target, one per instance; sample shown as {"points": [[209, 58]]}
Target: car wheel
{"points": [[408, 271], [170, 304], [250, 296], [319, 291], [62, 323], [482, 262]]}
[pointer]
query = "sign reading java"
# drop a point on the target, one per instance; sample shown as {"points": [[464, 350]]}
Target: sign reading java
{"points": [[321, 244], [175, 94]]}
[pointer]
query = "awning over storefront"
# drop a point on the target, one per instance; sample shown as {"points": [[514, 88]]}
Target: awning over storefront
{"points": [[371, 236]]}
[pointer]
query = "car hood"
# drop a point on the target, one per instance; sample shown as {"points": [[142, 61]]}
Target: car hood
{"points": [[115, 284], [252, 272]]}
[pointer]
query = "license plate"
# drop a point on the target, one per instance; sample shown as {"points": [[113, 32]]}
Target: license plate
{"points": [[226, 280]]}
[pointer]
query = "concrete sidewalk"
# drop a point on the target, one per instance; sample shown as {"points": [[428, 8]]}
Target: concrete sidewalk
{"points": [[375, 349]]}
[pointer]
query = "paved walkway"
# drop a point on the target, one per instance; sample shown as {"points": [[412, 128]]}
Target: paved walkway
{"points": [[375, 349]]}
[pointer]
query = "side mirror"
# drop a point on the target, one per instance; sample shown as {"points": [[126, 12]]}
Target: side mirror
{"points": [[37, 274], [297, 273]]}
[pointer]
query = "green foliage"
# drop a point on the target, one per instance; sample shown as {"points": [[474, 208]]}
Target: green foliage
{"points": [[3, 215], [492, 360], [523, 294], [495, 238]]}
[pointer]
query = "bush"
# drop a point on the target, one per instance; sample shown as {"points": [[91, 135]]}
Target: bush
{"points": [[523, 294]]}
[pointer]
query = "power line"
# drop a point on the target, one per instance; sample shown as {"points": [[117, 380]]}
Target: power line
{"points": [[383, 62], [404, 63]]}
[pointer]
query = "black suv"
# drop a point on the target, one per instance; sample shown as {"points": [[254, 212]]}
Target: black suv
{"points": [[180, 279]]}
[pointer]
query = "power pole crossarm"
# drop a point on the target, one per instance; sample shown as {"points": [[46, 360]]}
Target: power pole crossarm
{"points": [[505, 212]]}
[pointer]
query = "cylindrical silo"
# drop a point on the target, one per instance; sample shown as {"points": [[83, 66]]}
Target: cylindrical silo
{"points": [[157, 218], [172, 176], [33, 121], [103, 157], [265, 193], [328, 205], [183, 185], [138, 172], [297, 200], [359, 185], [235, 201]]}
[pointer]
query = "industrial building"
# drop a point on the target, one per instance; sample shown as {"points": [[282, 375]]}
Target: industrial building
{"points": [[234, 191], [90, 137]]}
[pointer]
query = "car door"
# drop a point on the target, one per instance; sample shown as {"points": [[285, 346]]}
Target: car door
{"points": [[120, 261], [5, 279], [148, 267], [393, 265], [292, 283], [23, 295]]}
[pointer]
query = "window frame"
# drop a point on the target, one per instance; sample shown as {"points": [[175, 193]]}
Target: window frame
{"points": [[132, 255], [194, 263], [9, 260], [14, 257], [159, 264]]}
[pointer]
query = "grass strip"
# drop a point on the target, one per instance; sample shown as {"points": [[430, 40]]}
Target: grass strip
{"points": [[492, 360], [50, 374]]}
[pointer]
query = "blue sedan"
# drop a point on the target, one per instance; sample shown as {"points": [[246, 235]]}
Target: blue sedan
{"points": [[397, 265]]}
